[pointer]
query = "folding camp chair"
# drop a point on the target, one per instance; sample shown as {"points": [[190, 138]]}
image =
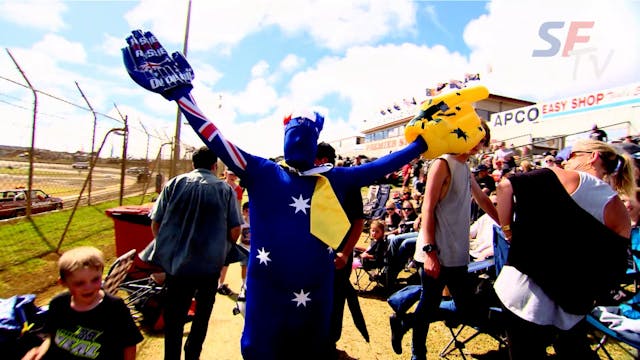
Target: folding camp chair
{"points": [[118, 272], [633, 269], [370, 273], [366, 280], [613, 324], [492, 324], [403, 299], [137, 286], [621, 322], [374, 204]]}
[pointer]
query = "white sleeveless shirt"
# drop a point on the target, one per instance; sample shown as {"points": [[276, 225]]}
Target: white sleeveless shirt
{"points": [[452, 216]]}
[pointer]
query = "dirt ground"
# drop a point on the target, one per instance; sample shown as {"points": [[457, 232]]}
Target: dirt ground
{"points": [[225, 330]]}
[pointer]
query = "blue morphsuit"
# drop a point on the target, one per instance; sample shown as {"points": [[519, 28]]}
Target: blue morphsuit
{"points": [[290, 271]]}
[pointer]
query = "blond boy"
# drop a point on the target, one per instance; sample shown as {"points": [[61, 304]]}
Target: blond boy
{"points": [[85, 322]]}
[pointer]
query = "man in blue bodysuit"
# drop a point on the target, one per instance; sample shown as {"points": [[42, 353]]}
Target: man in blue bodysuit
{"points": [[296, 217]]}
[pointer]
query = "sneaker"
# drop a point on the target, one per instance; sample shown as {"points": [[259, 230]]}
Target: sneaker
{"points": [[224, 290], [397, 333]]}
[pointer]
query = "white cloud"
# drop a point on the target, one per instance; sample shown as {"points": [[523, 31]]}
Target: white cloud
{"points": [[60, 49], [291, 62], [365, 75], [338, 24], [212, 23], [504, 41], [333, 24], [205, 73], [41, 68], [40, 14], [258, 98], [371, 77], [111, 45], [261, 69]]}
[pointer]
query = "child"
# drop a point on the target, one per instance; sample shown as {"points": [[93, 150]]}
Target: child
{"points": [[377, 248], [245, 239], [85, 322]]}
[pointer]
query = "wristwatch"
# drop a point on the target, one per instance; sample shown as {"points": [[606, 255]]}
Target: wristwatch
{"points": [[430, 248]]}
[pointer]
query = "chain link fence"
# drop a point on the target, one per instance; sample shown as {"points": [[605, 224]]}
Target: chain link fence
{"points": [[59, 156]]}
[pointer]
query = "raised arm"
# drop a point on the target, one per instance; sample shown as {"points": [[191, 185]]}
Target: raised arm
{"points": [[366, 174], [151, 67]]}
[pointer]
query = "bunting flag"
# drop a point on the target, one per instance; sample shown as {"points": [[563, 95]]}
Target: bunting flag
{"points": [[456, 84], [471, 77]]}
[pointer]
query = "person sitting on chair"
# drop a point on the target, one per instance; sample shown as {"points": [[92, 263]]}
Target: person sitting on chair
{"points": [[372, 256], [547, 299], [391, 217], [481, 235]]}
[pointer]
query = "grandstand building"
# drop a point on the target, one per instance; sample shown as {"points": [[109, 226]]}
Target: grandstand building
{"points": [[385, 133], [560, 122]]}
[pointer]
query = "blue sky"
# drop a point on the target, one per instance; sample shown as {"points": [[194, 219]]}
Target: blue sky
{"points": [[255, 61]]}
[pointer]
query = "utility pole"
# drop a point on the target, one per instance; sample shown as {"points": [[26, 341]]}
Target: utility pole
{"points": [[176, 140]]}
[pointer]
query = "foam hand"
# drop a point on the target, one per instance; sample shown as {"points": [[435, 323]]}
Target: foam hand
{"points": [[151, 67], [448, 123]]}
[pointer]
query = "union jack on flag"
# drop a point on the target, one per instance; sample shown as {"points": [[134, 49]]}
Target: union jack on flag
{"points": [[209, 132]]}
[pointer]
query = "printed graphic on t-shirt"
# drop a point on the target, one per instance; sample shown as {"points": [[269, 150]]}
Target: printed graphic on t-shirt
{"points": [[81, 343], [245, 237]]}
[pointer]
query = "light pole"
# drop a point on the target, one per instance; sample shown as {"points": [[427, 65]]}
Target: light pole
{"points": [[176, 142]]}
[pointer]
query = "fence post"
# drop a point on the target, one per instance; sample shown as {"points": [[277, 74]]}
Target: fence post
{"points": [[75, 206], [125, 141], [33, 134], [93, 140]]}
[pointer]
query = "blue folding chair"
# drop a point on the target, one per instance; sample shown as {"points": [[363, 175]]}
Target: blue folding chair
{"points": [[610, 322], [633, 269], [492, 326]]}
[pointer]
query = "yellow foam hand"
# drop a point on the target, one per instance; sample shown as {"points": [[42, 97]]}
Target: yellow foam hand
{"points": [[448, 123]]}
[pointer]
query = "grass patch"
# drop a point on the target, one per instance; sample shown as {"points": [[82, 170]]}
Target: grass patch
{"points": [[28, 263], [24, 239]]}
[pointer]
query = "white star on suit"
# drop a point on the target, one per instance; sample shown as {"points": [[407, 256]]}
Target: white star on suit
{"points": [[263, 256], [301, 298], [300, 204]]}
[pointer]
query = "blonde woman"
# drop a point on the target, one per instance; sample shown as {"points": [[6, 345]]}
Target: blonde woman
{"points": [[547, 296]]}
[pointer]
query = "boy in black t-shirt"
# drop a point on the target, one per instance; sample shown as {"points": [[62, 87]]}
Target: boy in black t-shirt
{"points": [[85, 322]]}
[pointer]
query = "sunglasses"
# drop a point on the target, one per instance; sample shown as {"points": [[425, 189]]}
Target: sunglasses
{"points": [[390, 209], [407, 208], [573, 153]]}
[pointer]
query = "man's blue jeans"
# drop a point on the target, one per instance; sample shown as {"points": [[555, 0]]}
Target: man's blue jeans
{"points": [[401, 249], [460, 285]]}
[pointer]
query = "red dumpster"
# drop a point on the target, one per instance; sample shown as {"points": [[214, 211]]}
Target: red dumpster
{"points": [[132, 226]]}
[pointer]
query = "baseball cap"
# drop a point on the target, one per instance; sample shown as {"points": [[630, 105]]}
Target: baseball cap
{"points": [[481, 167]]}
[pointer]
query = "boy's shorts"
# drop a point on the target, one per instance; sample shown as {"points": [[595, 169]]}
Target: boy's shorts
{"points": [[238, 253]]}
